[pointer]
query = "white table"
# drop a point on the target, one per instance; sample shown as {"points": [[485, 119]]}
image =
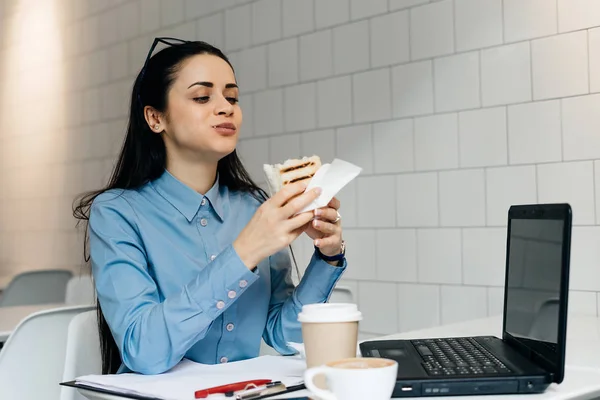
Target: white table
{"points": [[583, 336], [582, 366], [582, 371], [10, 317]]}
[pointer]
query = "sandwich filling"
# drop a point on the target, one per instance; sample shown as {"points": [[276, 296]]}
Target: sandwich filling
{"points": [[292, 170]]}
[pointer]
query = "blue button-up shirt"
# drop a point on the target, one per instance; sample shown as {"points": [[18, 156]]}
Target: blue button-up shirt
{"points": [[171, 285]]}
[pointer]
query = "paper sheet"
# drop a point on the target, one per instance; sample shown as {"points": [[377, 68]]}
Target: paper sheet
{"points": [[182, 381], [331, 178]]}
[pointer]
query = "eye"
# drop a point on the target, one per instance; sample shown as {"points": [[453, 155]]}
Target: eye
{"points": [[233, 100], [202, 100]]}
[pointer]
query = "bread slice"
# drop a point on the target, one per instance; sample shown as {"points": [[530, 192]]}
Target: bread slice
{"points": [[290, 171]]}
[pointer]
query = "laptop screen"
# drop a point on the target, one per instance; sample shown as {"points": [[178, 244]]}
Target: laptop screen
{"points": [[534, 280]]}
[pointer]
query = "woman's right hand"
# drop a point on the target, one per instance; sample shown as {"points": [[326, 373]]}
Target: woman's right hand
{"points": [[275, 224]]}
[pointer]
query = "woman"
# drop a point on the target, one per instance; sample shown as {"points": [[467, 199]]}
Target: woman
{"points": [[188, 255]]}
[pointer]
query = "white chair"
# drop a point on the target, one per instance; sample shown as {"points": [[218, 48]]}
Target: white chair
{"points": [[32, 359], [342, 294], [83, 352], [543, 326], [36, 287], [80, 291]]}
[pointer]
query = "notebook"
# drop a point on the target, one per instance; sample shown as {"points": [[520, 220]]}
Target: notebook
{"points": [[183, 380]]}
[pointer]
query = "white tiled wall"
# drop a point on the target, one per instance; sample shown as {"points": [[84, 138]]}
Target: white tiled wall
{"points": [[455, 109]]}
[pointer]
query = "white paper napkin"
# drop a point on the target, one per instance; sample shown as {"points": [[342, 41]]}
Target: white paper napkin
{"points": [[331, 178]]}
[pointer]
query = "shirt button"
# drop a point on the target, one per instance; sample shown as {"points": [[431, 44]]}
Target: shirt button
{"points": [[203, 202], [231, 294], [220, 304], [212, 257], [203, 222], [230, 327], [223, 360], [243, 283]]}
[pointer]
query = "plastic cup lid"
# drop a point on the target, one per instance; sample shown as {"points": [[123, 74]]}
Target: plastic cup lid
{"points": [[329, 312]]}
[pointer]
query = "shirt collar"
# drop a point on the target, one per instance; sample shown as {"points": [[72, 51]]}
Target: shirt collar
{"points": [[186, 200]]}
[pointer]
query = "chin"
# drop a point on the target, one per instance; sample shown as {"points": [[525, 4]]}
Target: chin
{"points": [[223, 151]]}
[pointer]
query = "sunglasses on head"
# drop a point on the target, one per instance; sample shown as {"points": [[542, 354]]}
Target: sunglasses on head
{"points": [[169, 41]]}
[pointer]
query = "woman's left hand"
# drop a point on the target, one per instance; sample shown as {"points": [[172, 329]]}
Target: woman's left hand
{"points": [[326, 230]]}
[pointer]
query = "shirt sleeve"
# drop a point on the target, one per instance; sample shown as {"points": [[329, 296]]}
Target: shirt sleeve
{"points": [[286, 301], [153, 333]]}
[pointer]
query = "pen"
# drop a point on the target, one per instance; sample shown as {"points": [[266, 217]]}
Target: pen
{"points": [[289, 389], [231, 387], [272, 387]]}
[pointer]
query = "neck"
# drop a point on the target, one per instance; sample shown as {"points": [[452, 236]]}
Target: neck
{"points": [[198, 175]]}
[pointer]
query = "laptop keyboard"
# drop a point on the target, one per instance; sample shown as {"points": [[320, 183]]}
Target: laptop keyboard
{"points": [[458, 356]]}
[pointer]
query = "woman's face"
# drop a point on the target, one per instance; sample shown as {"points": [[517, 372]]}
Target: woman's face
{"points": [[203, 115]]}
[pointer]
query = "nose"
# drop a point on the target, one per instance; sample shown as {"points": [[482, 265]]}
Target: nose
{"points": [[223, 107]]}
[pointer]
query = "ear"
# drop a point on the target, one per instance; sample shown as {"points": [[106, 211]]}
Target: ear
{"points": [[154, 119]]}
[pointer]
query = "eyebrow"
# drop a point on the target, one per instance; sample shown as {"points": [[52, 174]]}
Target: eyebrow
{"points": [[210, 84]]}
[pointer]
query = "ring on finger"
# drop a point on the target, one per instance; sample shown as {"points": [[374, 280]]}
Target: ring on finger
{"points": [[338, 218]]}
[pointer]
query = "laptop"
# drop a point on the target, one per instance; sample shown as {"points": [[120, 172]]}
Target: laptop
{"points": [[531, 353]]}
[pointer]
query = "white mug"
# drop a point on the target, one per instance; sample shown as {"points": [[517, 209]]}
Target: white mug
{"points": [[354, 379]]}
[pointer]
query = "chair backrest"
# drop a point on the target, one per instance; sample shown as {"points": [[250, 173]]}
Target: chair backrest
{"points": [[36, 287], [33, 358], [80, 291], [83, 352], [342, 294], [543, 326]]}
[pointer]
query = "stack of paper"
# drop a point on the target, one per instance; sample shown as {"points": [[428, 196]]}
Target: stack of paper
{"points": [[182, 381]]}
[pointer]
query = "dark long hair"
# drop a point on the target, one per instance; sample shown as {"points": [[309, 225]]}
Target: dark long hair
{"points": [[143, 157]]}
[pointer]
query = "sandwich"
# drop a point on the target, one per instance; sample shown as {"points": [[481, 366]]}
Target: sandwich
{"points": [[290, 171]]}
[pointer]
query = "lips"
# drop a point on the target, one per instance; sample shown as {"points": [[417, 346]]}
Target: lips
{"points": [[225, 125], [225, 129]]}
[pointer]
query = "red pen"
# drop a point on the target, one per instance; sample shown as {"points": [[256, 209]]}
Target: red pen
{"points": [[230, 387]]}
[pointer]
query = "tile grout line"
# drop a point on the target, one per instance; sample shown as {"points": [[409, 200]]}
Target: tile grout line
{"points": [[561, 129], [595, 191], [434, 106], [314, 3], [283, 37], [223, 27], [502, 5], [453, 26], [439, 200], [479, 57], [485, 198], [557, 18], [537, 183], [507, 122], [331, 46], [462, 256], [392, 96], [409, 16], [414, 144], [440, 304], [369, 42], [458, 151], [531, 70], [589, 63]]}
